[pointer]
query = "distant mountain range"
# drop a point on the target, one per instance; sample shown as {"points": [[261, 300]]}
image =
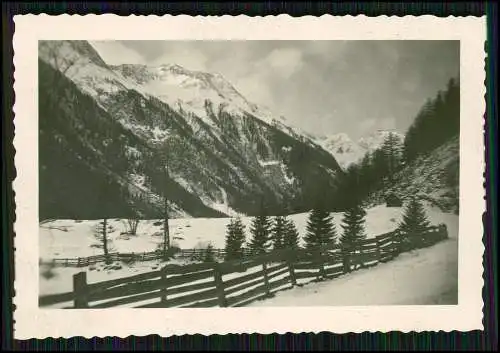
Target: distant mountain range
{"points": [[346, 151], [131, 133]]}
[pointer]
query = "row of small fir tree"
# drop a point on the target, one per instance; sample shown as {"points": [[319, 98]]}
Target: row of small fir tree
{"points": [[281, 232], [278, 233]]}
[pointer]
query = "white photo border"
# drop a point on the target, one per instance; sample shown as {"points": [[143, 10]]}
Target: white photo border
{"points": [[34, 322]]}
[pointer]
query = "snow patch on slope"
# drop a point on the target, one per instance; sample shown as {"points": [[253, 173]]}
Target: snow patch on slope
{"points": [[189, 90]]}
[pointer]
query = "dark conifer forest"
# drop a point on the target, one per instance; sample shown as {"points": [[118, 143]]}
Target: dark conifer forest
{"points": [[437, 122]]}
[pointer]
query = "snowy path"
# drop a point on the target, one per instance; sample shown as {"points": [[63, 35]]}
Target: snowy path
{"points": [[422, 277], [425, 277]]}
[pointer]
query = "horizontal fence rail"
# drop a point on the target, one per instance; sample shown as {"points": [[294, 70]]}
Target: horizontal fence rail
{"points": [[194, 254], [237, 282]]}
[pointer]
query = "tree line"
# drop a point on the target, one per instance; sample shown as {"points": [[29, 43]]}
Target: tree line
{"points": [[437, 121], [375, 171], [275, 233]]}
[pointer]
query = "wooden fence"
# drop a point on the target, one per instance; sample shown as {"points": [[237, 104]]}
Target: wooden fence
{"points": [[235, 283], [195, 254]]}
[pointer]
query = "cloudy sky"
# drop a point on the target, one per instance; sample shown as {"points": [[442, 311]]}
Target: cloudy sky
{"points": [[322, 87]]}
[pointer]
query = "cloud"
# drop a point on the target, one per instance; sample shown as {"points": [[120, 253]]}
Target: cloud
{"points": [[257, 88], [263, 81], [188, 57], [157, 52], [284, 62], [115, 53], [366, 126]]}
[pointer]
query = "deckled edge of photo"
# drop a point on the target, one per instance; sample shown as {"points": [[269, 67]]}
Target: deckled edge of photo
{"points": [[33, 322]]}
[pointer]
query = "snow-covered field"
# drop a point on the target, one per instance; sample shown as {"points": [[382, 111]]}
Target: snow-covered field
{"points": [[71, 239], [431, 269], [422, 277]]}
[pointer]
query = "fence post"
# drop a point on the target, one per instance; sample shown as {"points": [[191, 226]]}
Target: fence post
{"points": [[291, 269], [322, 258], [80, 290], [346, 261], [377, 250], [402, 243], [444, 231], [219, 285], [163, 290], [266, 279]]}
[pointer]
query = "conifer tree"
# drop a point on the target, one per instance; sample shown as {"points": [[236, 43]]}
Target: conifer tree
{"points": [[380, 165], [235, 239], [415, 222], [209, 253], [366, 175], [353, 228], [278, 232], [291, 236], [392, 149], [436, 122], [320, 229], [260, 230]]}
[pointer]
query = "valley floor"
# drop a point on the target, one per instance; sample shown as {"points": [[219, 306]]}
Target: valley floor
{"points": [[426, 276], [423, 277], [65, 238]]}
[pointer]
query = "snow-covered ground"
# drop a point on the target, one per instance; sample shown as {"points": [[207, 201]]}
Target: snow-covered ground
{"points": [[430, 269], [421, 277], [71, 239]]}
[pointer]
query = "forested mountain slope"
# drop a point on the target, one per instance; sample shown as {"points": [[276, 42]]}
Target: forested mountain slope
{"points": [[139, 133]]}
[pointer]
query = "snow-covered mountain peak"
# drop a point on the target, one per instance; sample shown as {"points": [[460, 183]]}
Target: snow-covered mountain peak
{"points": [[375, 139], [187, 91], [342, 147], [339, 138], [223, 151], [175, 74], [190, 90], [346, 151]]}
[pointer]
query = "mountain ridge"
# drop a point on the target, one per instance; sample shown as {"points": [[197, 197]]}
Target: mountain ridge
{"points": [[225, 158]]}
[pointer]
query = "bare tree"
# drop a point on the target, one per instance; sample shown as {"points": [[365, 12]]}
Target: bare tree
{"points": [[101, 233], [133, 224]]}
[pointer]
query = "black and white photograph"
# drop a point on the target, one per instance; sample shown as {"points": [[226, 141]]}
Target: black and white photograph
{"points": [[180, 175], [233, 173]]}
